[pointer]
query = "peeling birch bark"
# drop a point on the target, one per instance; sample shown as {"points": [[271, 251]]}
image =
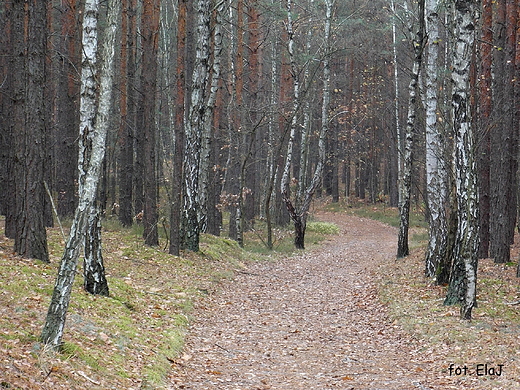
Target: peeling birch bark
{"points": [[463, 284], [92, 150], [194, 127], [436, 165], [405, 178]]}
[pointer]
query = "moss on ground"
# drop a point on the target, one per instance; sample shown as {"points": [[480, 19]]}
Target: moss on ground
{"points": [[126, 340]]}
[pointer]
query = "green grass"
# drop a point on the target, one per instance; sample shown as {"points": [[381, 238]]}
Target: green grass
{"points": [[322, 228], [255, 241], [380, 212], [389, 215]]}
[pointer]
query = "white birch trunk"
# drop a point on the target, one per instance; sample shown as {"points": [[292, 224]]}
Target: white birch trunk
{"points": [[93, 151], [306, 128], [284, 186], [396, 91], [272, 167], [405, 177], [299, 214], [467, 238], [93, 269], [194, 126], [204, 168], [436, 169]]}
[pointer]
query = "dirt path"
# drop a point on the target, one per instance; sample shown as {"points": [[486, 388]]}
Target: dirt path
{"points": [[307, 322]]}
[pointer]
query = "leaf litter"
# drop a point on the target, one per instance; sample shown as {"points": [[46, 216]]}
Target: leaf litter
{"points": [[346, 315]]}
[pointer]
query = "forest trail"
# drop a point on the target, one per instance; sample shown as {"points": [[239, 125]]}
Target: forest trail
{"points": [[312, 321]]}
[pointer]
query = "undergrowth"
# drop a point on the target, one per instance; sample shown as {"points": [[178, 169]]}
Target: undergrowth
{"points": [[129, 339]]}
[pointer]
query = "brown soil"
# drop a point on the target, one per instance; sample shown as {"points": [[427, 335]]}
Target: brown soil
{"points": [[313, 321]]}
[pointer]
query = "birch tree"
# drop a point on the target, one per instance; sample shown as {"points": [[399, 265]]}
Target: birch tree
{"points": [[396, 89], [207, 119], [272, 168], [194, 126], [405, 177], [299, 212], [463, 280], [93, 269], [92, 149], [436, 167]]}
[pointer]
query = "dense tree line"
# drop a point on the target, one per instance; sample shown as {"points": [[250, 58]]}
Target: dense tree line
{"points": [[226, 112]]}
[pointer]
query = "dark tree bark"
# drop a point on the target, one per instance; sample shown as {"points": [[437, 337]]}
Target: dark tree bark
{"points": [[150, 31], [5, 132], [11, 33], [16, 107], [502, 174], [178, 174], [67, 109], [486, 106], [335, 165], [128, 113], [30, 237]]}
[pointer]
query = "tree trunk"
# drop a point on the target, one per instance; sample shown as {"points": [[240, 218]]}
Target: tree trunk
{"points": [[16, 114], [405, 177], [178, 176], [67, 118], [436, 167], [207, 120], [394, 200], [5, 133], [88, 111], [466, 242], [511, 75], [240, 139], [127, 109], [502, 177], [284, 185], [486, 106], [150, 31], [272, 167], [194, 126], [30, 237], [95, 281], [93, 151], [299, 233]]}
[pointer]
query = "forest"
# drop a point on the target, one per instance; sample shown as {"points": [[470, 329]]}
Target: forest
{"points": [[214, 116]]}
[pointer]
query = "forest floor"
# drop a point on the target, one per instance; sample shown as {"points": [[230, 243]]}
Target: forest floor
{"points": [[343, 314], [347, 315]]}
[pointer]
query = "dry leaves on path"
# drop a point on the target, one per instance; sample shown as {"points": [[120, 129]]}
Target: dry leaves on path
{"points": [[313, 321]]}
